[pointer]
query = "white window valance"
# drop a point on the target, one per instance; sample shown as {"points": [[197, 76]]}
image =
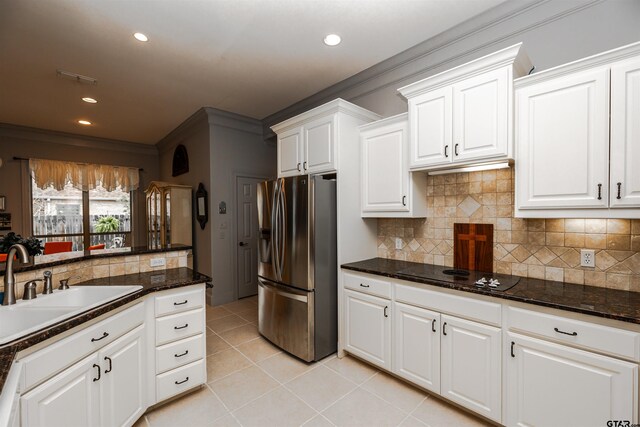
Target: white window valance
{"points": [[83, 176]]}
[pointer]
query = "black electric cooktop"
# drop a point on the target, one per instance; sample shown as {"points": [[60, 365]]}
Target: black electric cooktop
{"points": [[476, 279]]}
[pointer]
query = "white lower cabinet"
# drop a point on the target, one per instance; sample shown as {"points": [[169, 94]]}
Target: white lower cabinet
{"points": [[416, 345], [550, 384], [368, 328], [471, 365]]}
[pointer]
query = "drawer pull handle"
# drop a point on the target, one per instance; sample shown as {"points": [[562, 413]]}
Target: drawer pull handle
{"points": [[386, 307], [619, 189], [456, 149], [180, 303], [446, 148], [182, 382], [183, 354], [599, 191], [181, 327], [108, 359], [433, 325], [364, 286], [573, 334], [444, 328], [512, 353], [104, 335], [97, 366]]}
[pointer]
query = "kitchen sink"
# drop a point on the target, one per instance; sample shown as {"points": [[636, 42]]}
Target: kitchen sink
{"points": [[29, 316]]}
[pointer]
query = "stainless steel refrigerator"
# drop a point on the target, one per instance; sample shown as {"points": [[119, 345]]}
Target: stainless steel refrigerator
{"points": [[297, 265]]}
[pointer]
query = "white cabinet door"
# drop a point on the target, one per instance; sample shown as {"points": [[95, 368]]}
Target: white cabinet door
{"points": [[554, 385], [385, 176], [471, 365], [430, 136], [320, 147], [562, 142], [290, 155], [122, 387], [481, 116], [416, 350], [368, 328], [625, 134], [70, 398]]}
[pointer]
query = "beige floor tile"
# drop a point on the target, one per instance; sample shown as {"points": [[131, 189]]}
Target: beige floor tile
{"points": [[278, 408], [284, 367], [412, 422], [249, 315], [224, 363], [199, 408], [352, 368], [217, 312], [243, 386], [226, 323], [241, 305], [361, 408], [227, 421], [436, 413], [215, 344], [240, 334], [397, 392], [320, 387], [318, 421], [258, 349]]}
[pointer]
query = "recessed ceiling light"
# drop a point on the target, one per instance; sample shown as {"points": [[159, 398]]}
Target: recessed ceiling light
{"points": [[84, 122], [90, 100], [141, 37], [332, 40]]}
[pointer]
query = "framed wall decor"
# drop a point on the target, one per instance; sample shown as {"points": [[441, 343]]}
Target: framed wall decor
{"points": [[202, 205], [180, 161]]}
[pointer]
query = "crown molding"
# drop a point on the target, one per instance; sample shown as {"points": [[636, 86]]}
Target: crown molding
{"points": [[233, 121], [74, 140], [184, 130]]}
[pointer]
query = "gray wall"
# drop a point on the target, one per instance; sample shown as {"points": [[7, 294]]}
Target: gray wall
{"points": [[553, 32], [35, 143]]}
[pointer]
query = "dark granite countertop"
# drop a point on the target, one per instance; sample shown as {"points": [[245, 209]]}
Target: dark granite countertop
{"points": [[151, 282], [602, 302], [101, 253]]}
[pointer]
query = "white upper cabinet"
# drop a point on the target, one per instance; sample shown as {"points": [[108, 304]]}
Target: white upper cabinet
{"points": [[578, 138], [464, 115], [563, 141], [388, 188], [308, 143], [625, 133]]}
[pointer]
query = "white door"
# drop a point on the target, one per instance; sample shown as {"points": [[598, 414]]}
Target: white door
{"points": [[430, 136], [385, 176], [122, 386], [562, 142], [247, 236], [416, 350], [481, 116], [70, 398], [471, 365], [290, 155], [554, 385], [319, 146], [625, 134], [368, 328]]}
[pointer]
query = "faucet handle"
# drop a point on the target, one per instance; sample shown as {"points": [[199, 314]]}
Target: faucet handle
{"points": [[30, 289], [64, 283]]}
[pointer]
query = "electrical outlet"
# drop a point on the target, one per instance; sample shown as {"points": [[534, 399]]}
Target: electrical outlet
{"points": [[156, 262], [588, 258], [398, 243]]}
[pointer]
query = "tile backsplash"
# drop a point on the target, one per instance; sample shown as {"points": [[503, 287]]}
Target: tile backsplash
{"points": [[538, 248]]}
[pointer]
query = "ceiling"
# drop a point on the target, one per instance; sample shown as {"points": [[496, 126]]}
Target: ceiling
{"points": [[252, 57]]}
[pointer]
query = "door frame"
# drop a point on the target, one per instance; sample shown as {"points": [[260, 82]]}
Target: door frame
{"points": [[234, 223]]}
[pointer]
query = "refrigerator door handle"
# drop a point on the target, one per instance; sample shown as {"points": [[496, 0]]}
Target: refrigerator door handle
{"points": [[274, 229], [277, 290], [282, 230]]}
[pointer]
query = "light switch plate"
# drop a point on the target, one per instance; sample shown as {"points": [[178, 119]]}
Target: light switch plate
{"points": [[588, 258], [156, 262]]}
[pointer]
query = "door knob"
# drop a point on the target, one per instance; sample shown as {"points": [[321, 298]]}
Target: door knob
{"points": [[243, 244]]}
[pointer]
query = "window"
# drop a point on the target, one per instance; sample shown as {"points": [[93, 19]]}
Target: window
{"points": [[85, 218]]}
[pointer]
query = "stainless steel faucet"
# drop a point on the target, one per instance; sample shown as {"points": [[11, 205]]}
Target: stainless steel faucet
{"points": [[9, 277]]}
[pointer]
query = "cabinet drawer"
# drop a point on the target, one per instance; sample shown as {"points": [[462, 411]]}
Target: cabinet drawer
{"points": [[178, 326], [179, 380], [605, 339], [59, 355], [177, 302], [179, 353], [367, 284], [468, 308]]}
